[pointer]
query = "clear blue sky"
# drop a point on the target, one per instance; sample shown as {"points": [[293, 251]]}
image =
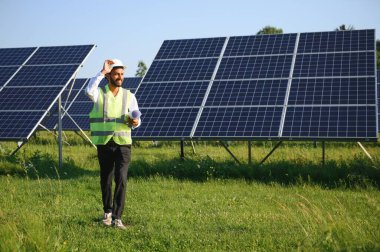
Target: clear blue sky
{"points": [[135, 30]]}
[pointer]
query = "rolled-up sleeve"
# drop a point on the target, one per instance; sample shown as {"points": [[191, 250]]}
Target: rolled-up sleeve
{"points": [[92, 89], [134, 106]]}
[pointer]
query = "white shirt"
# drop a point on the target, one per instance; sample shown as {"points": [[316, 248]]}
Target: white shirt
{"points": [[92, 91]]}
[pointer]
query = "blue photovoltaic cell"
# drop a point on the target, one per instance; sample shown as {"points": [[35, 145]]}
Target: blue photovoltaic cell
{"points": [[81, 108], [77, 84], [254, 67], [51, 75], [15, 56], [14, 124], [247, 93], [334, 64], [330, 122], [29, 98], [60, 55], [6, 73], [167, 123], [191, 48], [82, 121], [171, 94], [81, 97], [239, 122], [67, 124], [328, 91], [357, 40], [180, 70], [261, 45], [131, 83], [74, 91]]}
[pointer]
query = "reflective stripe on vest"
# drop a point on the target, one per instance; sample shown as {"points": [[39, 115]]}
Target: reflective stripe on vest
{"points": [[103, 123], [110, 133]]}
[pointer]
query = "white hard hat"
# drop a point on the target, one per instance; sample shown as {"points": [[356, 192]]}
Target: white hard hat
{"points": [[117, 63]]}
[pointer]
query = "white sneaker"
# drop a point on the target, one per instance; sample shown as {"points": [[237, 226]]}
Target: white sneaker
{"points": [[118, 224], [107, 219]]}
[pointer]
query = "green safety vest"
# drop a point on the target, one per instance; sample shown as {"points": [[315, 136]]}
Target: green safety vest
{"points": [[109, 117]]}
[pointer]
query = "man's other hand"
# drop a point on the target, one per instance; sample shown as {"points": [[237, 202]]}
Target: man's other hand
{"points": [[133, 122]]}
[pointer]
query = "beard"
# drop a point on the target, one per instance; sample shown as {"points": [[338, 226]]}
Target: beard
{"points": [[116, 83]]}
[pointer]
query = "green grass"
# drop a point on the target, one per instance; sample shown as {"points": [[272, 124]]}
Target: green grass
{"points": [[205, 203]]}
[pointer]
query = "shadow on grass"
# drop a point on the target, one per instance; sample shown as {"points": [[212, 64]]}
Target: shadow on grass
{"points": [[42, 165], [359, 172]]}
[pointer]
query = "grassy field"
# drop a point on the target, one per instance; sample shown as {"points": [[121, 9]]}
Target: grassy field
{"points": [[205, 203]]}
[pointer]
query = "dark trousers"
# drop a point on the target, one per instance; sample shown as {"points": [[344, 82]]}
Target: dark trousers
{"points": [[114, 161]]}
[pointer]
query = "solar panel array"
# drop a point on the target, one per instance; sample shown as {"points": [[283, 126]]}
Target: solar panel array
{"points": [[31, 80], [317, 85], [79, 105]]}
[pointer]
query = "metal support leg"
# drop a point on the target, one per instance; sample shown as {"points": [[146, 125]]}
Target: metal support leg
{"points": [[84, 134], [228, 150], [182, 150], [270, 153], [19, 145], [365, 151], [53, 133], [249, 152], [323, 153], [59, 133], [192, 145]]}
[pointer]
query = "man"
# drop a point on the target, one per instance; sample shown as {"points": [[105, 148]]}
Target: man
{"points": [[111, 132]]}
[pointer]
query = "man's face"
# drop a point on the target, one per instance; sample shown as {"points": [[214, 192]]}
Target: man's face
{"points": [[117, 76]]}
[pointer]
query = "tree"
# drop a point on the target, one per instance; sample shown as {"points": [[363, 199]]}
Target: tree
{"points": [[343, 27], [141, 69], [270, 30]]}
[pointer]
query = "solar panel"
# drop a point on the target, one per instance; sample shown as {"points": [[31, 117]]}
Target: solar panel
{"points": [[378, 100], [15, 56], [247, 92], [172, 94], [334, 64], [175, 85], [34, 85], [60, 55], [16, 124], [277, 66], [181, 70], [131, 83], [167, 123], [191, 48], [326, 91], [332, 94], [50, 75], [346, 41], [261, 45], [283, 86], [330, 122], [258, 122], [27, 98], [6, 73]]}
